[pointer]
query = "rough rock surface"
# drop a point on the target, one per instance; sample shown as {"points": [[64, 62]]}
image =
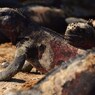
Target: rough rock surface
{"points": [[77, 78]]}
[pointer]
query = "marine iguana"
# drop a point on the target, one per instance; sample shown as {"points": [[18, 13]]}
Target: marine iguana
{"points": [[44, 48]]}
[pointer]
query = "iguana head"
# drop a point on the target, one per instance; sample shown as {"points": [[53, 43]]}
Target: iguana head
{"points": [[81, 35]]}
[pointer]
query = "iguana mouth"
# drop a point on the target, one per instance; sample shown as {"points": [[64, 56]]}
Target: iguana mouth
{"points": [[73, 38], [76, 41], [79, 41]]}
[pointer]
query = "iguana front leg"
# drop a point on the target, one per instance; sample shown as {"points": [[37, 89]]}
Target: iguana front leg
{"points": [[15, 66], [17, 63]]}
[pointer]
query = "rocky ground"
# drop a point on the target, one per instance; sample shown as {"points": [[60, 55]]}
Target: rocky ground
{"points": [[21, 80]]}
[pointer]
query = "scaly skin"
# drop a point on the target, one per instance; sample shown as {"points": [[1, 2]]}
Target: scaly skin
{"points": [[81, 35], [48, 50], [43, 48]]}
